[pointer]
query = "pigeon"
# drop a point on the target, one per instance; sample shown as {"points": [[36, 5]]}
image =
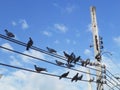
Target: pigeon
{"points": [[29, 44], [69, 65], [77, 59], [80, 77], [9, 34], [91, 80], [51, 50], [39, 69], [72, 57], [59, 63], [64, 75], [75, 78], [66, 55], [87, 62]]}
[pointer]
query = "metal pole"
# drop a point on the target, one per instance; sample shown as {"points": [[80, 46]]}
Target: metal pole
{"points": [[96, 44]]}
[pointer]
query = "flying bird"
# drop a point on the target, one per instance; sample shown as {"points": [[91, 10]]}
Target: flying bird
{"points": [[59, 63], [51, 50], [39, 69], [75, 78], [29, 44], [64, 75], [9, 34]]}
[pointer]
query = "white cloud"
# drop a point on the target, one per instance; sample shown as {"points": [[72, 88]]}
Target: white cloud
{"points": [[68, 41], [14, 61], [21, 80], [56, 41], [61, 27], [47, 33], [7, 45], [14, 23], [87, 52], [24, 24], [89, 28], [32, 53], [69, 9], [66, 9], [117, 40]]}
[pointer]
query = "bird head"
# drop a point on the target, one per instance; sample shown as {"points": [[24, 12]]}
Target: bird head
{"points": [[6, 30]]}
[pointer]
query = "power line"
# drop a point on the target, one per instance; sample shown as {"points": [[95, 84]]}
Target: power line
{"points": [[40, 50], [113, 84], [109, 86], [43, 51], [44, 60], [111, 74], [29, 70]]}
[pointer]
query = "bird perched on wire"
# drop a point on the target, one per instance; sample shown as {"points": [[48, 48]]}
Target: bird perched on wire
{"points": [[69, 65], [77, 59], [70, 57], [66, 55], [51, 50], [75, 78], [80, 77], [39, 69], [59, 63], [9, 34], [91, 79], [29, 44], [64, 75]]}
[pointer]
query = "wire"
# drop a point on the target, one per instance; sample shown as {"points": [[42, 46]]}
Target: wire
{"points": [[111, 78], [40, 50], [109, 86], [29, 70], [113, 84], [111, 74], [45, 60]]}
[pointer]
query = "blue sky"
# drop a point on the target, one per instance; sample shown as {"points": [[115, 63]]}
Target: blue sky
{"points": [[60, 24]]}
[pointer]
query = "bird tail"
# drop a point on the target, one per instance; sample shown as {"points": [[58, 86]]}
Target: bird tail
{"points": [[27, 48], [60, 77]]}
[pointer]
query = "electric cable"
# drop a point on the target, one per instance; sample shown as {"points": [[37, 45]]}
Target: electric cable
{"points": [[112, 84], [40, 50], [45, 60], [111, 74], [29, 70]]}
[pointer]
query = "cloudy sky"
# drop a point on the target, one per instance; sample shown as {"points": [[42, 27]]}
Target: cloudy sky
{"points": [[64, 25]]}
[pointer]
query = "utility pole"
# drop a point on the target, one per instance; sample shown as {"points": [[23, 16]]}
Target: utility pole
{"points": [[97, 51], [89, 77]]}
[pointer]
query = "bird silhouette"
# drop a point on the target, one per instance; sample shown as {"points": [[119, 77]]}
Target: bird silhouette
{"points": [[59, 63], [80, 77], [9, 34], [29, 44], [51, 50], [39, 69], [77, 59], [64, 75], [91, 79], [69, 65], [66, 55], [75, 78], [70, 57]]}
